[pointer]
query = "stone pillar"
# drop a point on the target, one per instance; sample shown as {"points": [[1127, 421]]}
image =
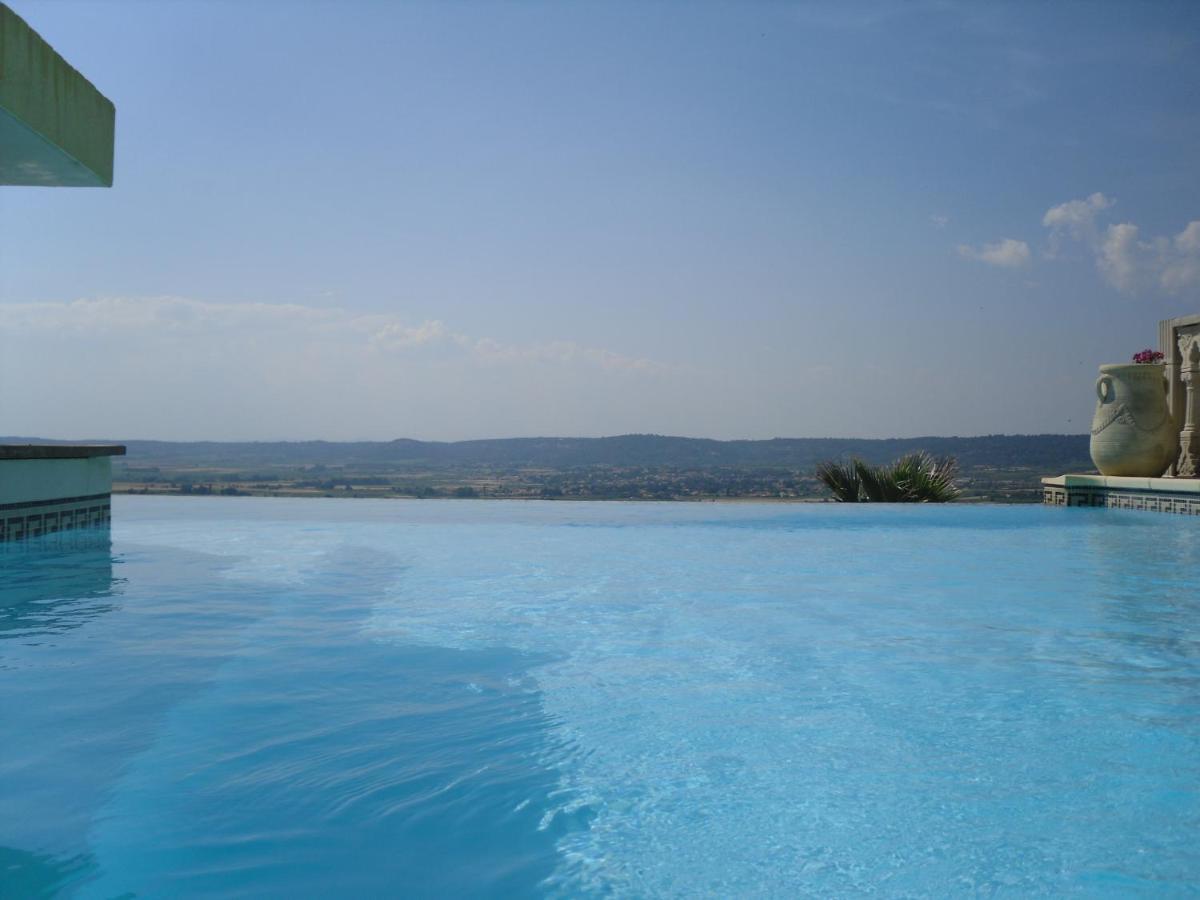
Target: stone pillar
{"points": [[1188, 465], [1170, 334]]}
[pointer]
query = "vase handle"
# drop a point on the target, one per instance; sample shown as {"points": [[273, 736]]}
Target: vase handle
{"points": [[1104, 388]]}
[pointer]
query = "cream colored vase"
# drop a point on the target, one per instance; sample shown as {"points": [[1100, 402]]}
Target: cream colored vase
{"points": [[1132, 431]]}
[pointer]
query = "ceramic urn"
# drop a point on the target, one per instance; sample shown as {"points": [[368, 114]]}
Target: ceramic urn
{"points": [[1132, 432]]}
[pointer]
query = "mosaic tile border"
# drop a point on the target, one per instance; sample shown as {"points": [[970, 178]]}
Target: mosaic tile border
{"points": [[28, 520], [1121, 498]]}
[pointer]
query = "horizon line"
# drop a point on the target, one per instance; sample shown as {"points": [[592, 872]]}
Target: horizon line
{"points": [[609, 437]]}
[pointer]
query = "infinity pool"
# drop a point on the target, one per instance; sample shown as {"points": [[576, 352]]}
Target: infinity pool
{"points": [[292, 698]]}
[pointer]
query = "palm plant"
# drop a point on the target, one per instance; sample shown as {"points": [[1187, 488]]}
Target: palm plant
{"points": [[842, 479], [927, 479], [913, 478]]}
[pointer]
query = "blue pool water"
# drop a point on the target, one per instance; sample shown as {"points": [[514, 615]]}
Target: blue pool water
{"points": [[291, 698]]}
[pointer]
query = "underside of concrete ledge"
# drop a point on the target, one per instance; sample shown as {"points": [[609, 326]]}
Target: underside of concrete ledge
{"points": [[1171, 495], [56, 129]]}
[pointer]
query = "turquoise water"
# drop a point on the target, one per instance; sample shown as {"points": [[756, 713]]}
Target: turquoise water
{"points": [[291, 698]]}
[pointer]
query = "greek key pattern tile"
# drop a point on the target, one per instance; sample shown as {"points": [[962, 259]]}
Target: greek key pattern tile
{"points": [[1115, 498], [32, 521], [1054, 496]]}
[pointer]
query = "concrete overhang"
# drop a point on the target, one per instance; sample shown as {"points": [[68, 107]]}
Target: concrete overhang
{"points": [[56, 129]]}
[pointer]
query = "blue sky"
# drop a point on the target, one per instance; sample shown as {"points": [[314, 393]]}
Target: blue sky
{"points": [[375, 220]]}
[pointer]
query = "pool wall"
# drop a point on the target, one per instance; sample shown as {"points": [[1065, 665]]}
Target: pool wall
{"points": [[47, 488], [1169, 495]]}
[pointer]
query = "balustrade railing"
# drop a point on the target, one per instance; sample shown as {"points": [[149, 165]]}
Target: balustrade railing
{"points": [[1179, 340]]}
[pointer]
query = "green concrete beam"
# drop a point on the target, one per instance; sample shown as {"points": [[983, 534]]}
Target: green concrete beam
{"points": [[55, 127]]}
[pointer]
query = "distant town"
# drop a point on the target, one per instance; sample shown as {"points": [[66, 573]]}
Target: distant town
{"points": [[997, 468]]}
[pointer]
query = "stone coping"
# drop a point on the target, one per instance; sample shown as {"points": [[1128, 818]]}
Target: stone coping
{"points": [[59, 451], [1118, 482]]}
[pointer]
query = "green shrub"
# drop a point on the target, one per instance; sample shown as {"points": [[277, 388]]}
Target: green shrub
{"points": [[913, 478]]}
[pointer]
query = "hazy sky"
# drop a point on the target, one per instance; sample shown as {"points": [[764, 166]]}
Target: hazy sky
{"points": [[376, 220]]}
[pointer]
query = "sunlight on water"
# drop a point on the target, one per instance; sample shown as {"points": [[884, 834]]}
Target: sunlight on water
{"points": [[308, 698]]}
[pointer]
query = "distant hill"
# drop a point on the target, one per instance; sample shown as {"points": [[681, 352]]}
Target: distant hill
{"points": [[1047, 453]]}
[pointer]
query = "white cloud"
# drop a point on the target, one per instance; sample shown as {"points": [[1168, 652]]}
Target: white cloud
{"points": [[1008, 253], [180, 368], [1128, 261], [396, 336], [165, 319], [1180, 260], [1188, 240], [939, 221], [1075, 219], [1121, 257]]}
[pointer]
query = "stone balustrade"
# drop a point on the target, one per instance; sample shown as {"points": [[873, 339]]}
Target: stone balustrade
{"points": [[1179, 340]]}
